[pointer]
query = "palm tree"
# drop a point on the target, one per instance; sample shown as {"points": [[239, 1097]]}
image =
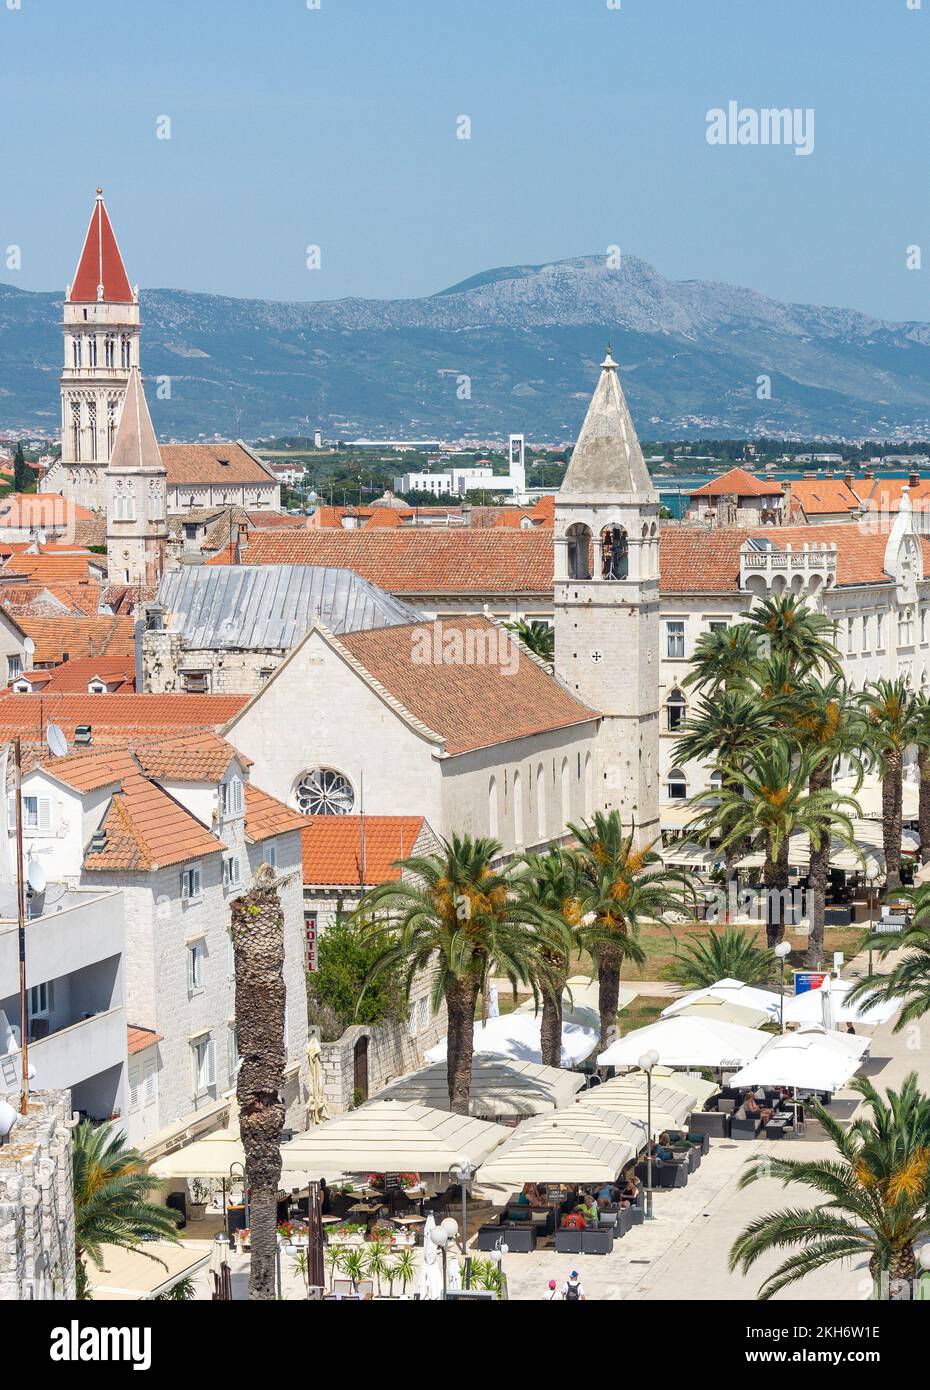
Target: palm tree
{"points": [[922, 739], [874, 1197], [258, 946], [909, 977], [891, 724], [112, 1187], [728, 955], [551, 882], [725, 727], [724, 659], [788, 627], [538, 637], [456, 913], [825, 723], [771, 804], [620, 887]]}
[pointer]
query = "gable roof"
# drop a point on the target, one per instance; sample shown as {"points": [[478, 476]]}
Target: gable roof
{"points": [[472, 702], [69, 567], [100, 275], [737, 481], [885, 494], [417, 560], [201, 756], [75, 674], [694, 560], [135, 445], [332, 849], [78, 635], [223, 462], [823, 496], [138, 1039], [122, 719], [266, 816]]}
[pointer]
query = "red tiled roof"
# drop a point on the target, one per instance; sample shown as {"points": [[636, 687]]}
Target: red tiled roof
{"points": [[417, 560], [472, 702], [196, 757], [692, 559], [332, 848], [114, 718], [884, 494], [48, 510], [860, 551], [67, 568], [138, 1039], [226, 462], [78, 635], [100, 264], [737, 481], [823, 496], [266, 816], [77, 673]]}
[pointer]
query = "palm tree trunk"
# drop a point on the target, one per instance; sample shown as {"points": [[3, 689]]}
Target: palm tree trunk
{"points": [[892, 793], [923, 805], [550, 1030], [776, 878], [608, 992], [461, 998], [258, 944], [818, 875], [896, 1283]]}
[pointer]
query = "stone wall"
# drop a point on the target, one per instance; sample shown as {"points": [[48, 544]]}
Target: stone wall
{"points": [[37, 1203], [393, 1051]]}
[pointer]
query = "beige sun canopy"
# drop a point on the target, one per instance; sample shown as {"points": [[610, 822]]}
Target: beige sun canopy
{"points": [[694, 1086], [547, 1152], [501, 1088], [724, 1012], [670, 1108], [129, 1275], [391, 1136], [588, 1119]]}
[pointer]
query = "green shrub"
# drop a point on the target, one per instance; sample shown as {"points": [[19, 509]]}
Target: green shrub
{"points": [[334, 991]]}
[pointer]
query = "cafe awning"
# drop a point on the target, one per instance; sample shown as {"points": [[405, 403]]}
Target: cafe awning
{"points": [[811, 1059], [391, 1136], [500, 1088], [686, 1042], [130, 1275], [553, 1154], [628, 1095]]}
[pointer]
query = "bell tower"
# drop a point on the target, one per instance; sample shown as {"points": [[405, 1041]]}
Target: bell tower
{"points": [[137, 526], [101, 341], [607, 602]]}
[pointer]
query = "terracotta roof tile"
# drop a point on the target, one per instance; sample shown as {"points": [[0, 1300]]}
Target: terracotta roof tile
{"points": [[694, 560], [132, 720], [100, 264], [57, 568], [860, 550], [332, 848], [417, 560], [76, 673], [823, 496], [737, 481], [224, 462], [138, 1039], [472, 702], [76, 635], [147, 829], [196, 757], [266, 816]]}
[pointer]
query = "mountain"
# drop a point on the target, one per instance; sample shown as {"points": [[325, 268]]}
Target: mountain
{"points": [[527, 338]]}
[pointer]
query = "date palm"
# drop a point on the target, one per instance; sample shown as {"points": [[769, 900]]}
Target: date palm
{"points": [[538, 637], [725, 727], [772, 803], [909, 977], [457, 914], [551, 882], [257, 927], [785, 625], [891, 725], [112, 1192], [873, 1197], [922, 740], [621, 886], [724, 659], [728, 955]]}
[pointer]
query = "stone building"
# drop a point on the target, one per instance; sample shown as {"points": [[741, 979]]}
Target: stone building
{"points": [[37, 1259], [137, 530]]}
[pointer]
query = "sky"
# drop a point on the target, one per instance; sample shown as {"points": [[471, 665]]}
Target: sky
{"points": [[336, 127]]}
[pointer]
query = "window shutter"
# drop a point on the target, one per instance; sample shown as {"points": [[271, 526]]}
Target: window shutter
{"points": [[195, 882], [210, 1064], [11, 812], [185, 884], [149, 1082], [45, 813], [134, 1088]]}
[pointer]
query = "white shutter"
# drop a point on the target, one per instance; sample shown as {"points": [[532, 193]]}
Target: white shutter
{"points": [[45, 813], [150, 1070], [134, 1083], [195, 881], [11, 812], [210, 1064], [185, 885]]}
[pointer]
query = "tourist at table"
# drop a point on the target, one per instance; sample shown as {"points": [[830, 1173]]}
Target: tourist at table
{"points": [[573, 1221], [752, 1107], [661, 1149], [587, 1208], [628, 1194]]}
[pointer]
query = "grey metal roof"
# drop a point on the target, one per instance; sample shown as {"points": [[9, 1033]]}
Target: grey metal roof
{"points": [[261, 607]]}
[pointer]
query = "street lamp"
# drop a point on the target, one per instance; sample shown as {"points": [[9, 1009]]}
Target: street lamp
{"points": [[646, 1064], [462, 1171], [872, 873], [782, 951], [440, 1236]]}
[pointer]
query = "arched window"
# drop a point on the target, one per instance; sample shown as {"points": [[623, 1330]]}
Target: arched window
{"points": [[75, 429], [675, 710], [579, 551], [109, 350], [92, 424], [324, 792], [540, 803], [91, 351], [125, 358], [76, 353], [518, 809], [677, 785], [492, 808], [615, 553]]}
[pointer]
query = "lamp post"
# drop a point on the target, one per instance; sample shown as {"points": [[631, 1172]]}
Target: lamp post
{"points": [[462, 1171], [440, 1236], [782, 951], [872, 872], [646, 1063]]}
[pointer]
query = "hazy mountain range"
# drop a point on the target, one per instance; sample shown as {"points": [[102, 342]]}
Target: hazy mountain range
{"points": [[527, 338]]}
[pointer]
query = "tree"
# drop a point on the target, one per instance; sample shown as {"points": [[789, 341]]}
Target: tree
{"points": [[873, 1197], [922, 739], [112, 1187], [337, 995], [772, 802], [536, 636], [620, 887], [459, 915], [724, 659], [909, 977], [551, 883], [258, 946], [21, 473], [891, 724], [787, 626], [728, 955]]}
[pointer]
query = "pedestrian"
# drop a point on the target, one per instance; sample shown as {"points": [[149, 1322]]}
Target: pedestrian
{"points": [[572, 1291], [553, 1293]]}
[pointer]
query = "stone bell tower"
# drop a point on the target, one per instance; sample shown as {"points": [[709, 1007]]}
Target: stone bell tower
{"points": [[137, 526], [607, 602]]}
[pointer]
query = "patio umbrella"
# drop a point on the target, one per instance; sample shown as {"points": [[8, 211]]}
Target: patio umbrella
{"points": [[686, 1042], [810, 1060], [629, 1095], [588, 1119], [734, 992], [724, 1011], [694, 1086], [316, 1275], [517, 1035], [494, 1007], [500, 1088], [390, 1136], [317, 1104], [809, 1007], [430, 1285], [548, 1152]]}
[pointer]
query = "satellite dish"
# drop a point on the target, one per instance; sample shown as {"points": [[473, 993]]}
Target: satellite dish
{"points": [[56, 740], [42, 537], [29, 647], [35, 875]]}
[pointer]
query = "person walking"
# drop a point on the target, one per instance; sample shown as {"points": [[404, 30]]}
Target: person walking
{"points": [[572, 1291]]}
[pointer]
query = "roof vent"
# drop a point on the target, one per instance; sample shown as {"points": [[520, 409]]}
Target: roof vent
{"points": [[98, 841], [82, 734]]}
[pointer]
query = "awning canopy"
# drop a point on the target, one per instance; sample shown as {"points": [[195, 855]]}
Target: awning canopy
{"points": [[829, 1002], [810, 1059], [628, 1095], [724, 1011], [391, 1136], [694, 1086], [589, 1119], [500, 1088], [686, 1042], [734, 992], [214, 1156], [129, 1275], [550, 1153], [517, 1035], [689, 855], [869, 796]]}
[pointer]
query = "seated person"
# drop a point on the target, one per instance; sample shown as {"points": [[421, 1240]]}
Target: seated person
{"points": [[607, 1195], [752, 1108], [629, 1191], [530, 1194], [587, 1209], [573, 1221], [661, 1149]]}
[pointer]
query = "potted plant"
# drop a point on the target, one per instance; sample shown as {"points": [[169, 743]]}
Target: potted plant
{"points": [[355, 1265], [403, 1268], [348, 1233], [378, 1261], [197, 1202]]}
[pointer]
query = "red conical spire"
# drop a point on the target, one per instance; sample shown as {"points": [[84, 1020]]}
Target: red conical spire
{"points": [[100, 275]]}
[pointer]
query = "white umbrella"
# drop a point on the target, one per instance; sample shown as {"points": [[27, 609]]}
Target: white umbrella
{"points": [[551, 1153], [317, 1105], [809, 1007], [734, 992], [494, 1007], [500, 1088], [430, 1286], [629, 1097], [517, 1035], [811, 1059], [686, 1042], [391, 1136]]}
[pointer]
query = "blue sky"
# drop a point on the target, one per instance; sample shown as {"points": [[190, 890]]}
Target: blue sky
{"points": [[336, 127]]}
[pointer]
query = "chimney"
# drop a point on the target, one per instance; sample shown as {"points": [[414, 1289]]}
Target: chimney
{"points": [[848, 477], [913, 480], [242, 541], [82, 735], [869, 475], [466, 513]]}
